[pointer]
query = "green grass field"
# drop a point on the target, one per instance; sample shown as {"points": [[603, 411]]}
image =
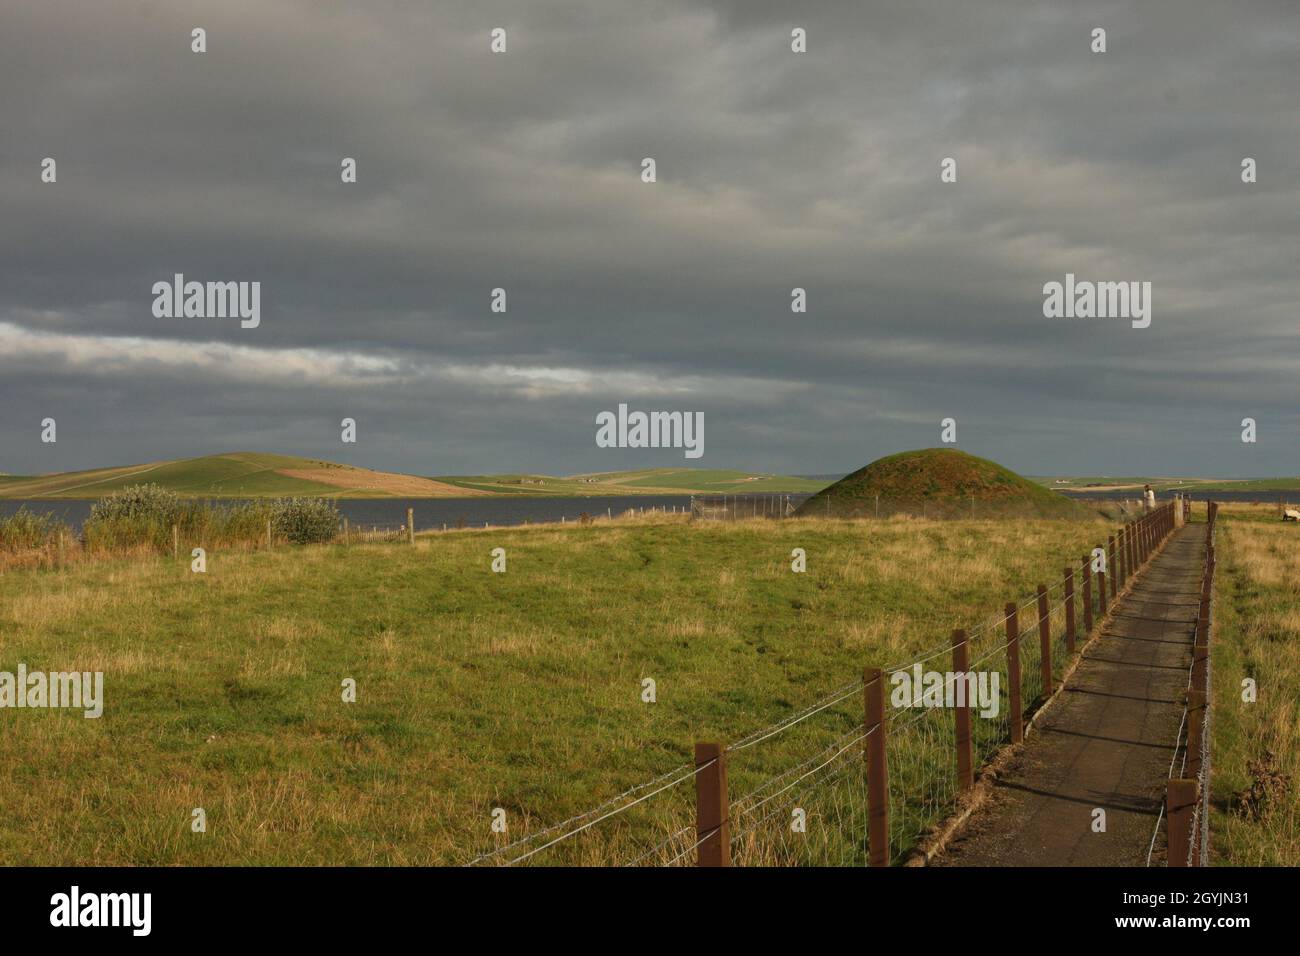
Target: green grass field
{"points": [[478, 690], [648, 481], [1256, 756]]}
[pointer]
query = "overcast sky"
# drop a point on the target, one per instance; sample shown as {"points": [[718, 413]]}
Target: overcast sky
{"points": [[776, 170]]}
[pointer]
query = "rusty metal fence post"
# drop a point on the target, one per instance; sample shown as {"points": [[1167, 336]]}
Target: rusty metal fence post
{"points": [[1195, 726], [961, 713], [1122, 567], [711, 810], [1013, 674], [1069, 610], [1087, 597], [1110, 565], [1128, 551], [1044, 641], [877, 768], [1101, 583]]}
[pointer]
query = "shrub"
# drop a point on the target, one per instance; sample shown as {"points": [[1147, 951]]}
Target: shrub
{"points": [[305, 520], [148, 503], [25, 530], [135, 516], [143, 516]]}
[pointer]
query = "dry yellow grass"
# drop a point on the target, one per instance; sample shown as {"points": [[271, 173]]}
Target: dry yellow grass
{"points": [[1256, 783]]}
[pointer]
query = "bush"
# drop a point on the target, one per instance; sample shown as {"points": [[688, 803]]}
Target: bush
{"points": [[143, 516], [147, 503], [135, 516], [305, 520], [25, 530]]}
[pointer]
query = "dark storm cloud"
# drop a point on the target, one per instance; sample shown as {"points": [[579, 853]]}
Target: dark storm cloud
{"points": [[776, 170]]}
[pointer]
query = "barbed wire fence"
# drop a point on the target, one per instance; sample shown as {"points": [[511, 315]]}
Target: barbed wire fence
{"points": [[872, 781], [759, 505], [1185, 812]]}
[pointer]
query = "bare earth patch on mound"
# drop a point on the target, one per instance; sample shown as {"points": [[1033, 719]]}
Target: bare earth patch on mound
{"points": [[359, 479]]}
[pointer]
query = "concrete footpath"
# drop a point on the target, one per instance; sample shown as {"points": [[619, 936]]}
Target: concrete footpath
{"points": [[1106, 741]]}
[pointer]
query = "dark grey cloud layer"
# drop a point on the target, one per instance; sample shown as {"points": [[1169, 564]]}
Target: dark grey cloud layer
{"points": [[776, 170]]}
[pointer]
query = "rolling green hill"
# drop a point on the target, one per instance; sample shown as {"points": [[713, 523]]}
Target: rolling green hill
{"points": [[235, 475], [257, 475]]}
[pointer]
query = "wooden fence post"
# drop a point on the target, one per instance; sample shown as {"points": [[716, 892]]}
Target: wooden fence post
{"points": [[345, 529], [1180, 799], [1110, 565], [1044, 641], [960, 667], [1121, 568], [1087, 597], [1013, 673], [712, 828], [1101, 586], [877, 768], [176, 541], [1132, 551], [410, 526], [1069, 610], [268, 534]]}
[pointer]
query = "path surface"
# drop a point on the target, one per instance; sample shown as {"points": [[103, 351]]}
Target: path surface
{"points": [[1106, 741]]}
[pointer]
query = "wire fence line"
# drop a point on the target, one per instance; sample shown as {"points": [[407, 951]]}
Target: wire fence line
{"points": [[777, 506], [844, 803], [1185, 812]]}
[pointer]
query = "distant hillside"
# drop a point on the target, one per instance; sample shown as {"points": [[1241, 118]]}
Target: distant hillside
{"points": [[235, 475], [940, 475], [1164, 485], [662, 481], [256, 475]]}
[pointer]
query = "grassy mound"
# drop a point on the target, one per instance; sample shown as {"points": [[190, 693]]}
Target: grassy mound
{"points": [[939, 477], [235, 475]]}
